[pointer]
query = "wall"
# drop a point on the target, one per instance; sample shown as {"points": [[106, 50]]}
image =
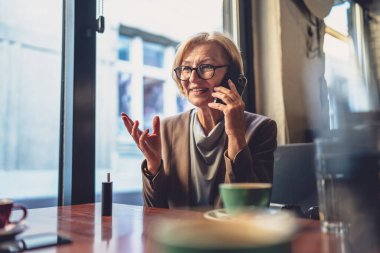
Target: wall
{"points": [[303, 69], [289, 69]]}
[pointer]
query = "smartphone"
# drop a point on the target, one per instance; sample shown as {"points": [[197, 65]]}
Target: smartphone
{"points": [[237, 78], [36, 241]]}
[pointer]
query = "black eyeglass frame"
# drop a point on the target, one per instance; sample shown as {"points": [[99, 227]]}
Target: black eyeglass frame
{"points": [[198, 70]]}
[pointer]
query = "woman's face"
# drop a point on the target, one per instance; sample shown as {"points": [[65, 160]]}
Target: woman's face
{"points": [[197, 90]]}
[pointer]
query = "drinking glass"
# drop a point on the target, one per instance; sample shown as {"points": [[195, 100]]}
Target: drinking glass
{"points": [[347, 171]]}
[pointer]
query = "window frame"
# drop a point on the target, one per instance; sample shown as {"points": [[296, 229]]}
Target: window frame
{"points": [[77, 134]]}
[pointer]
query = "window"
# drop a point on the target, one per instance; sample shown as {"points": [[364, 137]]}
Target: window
{"points": [[134, 76], [30, 91], [125, 94], [44, 136], [124, 47], [346, 86], [153, 54], [153, 100]]}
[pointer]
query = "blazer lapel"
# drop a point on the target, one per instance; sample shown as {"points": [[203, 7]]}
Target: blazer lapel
{"points": [[181, 157]]}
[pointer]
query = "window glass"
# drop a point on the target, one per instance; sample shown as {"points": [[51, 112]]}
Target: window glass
{"points": [[140, 84], [343, 73], [124, 47], [338, 19], [124, 92], [153, 100], [30, 90], [153, 54]]}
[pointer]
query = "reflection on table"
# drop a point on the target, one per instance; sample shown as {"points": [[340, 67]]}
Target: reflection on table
{"points": [[130, 228]]}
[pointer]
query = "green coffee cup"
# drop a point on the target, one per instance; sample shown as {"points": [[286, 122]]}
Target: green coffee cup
{"points": [[236, 196]]}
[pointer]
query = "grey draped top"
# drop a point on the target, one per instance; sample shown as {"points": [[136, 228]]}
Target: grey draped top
{"points": [[206, 154]]}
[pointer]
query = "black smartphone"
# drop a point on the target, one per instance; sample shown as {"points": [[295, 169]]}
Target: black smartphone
{"points": [[237, 78], [36, 241]]}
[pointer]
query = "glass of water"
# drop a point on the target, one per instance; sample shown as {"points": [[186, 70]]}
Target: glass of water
{"points": [[332, 184], [347, 172]]}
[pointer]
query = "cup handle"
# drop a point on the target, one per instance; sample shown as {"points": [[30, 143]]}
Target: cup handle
{"points": [[19, 207]]}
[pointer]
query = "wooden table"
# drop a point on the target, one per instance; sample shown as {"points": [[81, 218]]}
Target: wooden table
{"points": [[129, 228]]}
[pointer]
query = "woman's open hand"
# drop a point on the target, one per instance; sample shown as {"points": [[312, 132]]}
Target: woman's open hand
{"points": [[149, 144], [233, 111]]}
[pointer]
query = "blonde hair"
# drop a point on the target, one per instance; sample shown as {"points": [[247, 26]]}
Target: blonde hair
{"points": [[231, 51]]}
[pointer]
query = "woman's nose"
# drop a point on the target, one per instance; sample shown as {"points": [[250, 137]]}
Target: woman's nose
{"points": [[193, 76]]}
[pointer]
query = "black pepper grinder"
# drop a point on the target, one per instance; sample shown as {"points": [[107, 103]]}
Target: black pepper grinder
{"points": [[107, 197]]}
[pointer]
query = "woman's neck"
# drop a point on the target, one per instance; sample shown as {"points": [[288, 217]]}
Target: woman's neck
{"points": [[208, 118]]}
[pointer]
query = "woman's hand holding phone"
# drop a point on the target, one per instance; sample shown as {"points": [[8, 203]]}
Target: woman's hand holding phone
{"points": [[233, 110], [149, 144], [239, 81]]}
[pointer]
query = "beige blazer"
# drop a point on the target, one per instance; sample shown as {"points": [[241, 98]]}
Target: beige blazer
{"points": [[170, 187]]}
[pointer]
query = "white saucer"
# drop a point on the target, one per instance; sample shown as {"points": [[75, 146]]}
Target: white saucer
{"points": [[12, 229], [254, 214], [221, 214]]}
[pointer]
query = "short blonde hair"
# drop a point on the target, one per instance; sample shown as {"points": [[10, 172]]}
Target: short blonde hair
{"points": [[223, 40]]}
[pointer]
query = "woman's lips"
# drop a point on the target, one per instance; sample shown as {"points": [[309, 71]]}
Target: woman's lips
{"points": [[198, 91]]}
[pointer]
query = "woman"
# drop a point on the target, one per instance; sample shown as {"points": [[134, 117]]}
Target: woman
{"points": [[190, 154]]}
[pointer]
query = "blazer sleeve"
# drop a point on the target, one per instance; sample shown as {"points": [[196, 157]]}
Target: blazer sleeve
{"points": [[255, 162], [155, 188]]}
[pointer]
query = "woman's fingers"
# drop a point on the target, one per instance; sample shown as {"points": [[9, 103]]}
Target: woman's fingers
{"points": [[225, 94], [156, 125], [145, 146], [149, 144], [231, 98], [142, 141], [232, 86], [125, 116], [135, 133], [217, 106], [127, 123], [131, 126]]}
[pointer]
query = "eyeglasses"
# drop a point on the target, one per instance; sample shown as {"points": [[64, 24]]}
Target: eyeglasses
{"points": [[204, 71]]}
